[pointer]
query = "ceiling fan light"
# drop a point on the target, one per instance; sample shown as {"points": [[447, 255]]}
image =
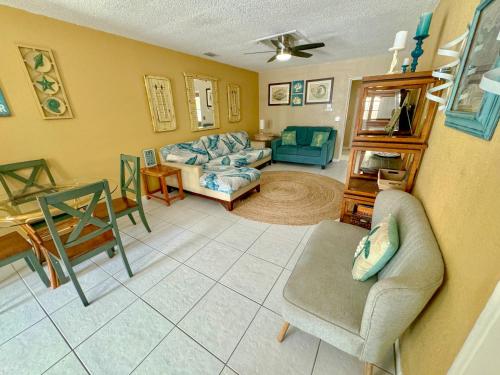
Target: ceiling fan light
{"points": [[283, 56]]}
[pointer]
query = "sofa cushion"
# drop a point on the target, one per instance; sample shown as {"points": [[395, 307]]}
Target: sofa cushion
{"points": [[216, 145], [289, 138], [241, 158], [228, 179], [321, 285], [319, 138], [376, 249], [309, 151], [288, 150], [238, 141], [193, 153]]}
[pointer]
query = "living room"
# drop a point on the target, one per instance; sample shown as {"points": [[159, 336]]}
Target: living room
{"points": [[218, 188]]}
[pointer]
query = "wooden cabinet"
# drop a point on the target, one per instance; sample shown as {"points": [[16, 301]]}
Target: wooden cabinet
{"points": [[392, 127]]}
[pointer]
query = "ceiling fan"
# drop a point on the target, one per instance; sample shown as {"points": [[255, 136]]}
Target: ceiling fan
{"points": [[285, 48]]}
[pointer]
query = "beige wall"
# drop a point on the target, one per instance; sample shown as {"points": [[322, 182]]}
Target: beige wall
{"points": [[279, 117], [459, 185], [103, 77]]}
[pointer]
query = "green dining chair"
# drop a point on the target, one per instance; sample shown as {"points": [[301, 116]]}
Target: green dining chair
{"points": [[129, 183], [27, 175], [14, 247], [89, 237]]}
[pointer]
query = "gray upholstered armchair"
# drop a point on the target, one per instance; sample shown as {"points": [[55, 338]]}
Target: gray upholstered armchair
{"points": [[364, 318]]}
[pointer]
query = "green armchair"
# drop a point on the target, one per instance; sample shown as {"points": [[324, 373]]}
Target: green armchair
{"points": [[303, 152]]}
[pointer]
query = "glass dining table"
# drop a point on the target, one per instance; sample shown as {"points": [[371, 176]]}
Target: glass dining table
{"points": [[20, 209]]}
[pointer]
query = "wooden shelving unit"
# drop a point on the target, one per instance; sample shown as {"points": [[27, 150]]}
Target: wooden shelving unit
{"points": [[377, 145]]}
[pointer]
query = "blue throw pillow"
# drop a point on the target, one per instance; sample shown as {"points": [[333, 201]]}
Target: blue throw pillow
{"points": [[289, 138]]}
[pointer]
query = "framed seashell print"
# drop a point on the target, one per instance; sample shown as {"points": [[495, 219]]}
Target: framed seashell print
{"points": [[279, 93], [48, 89], [319, 91]]}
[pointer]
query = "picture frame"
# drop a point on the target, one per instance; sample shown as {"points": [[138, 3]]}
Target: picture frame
{"points": [[233, 102], [319, 91], [161, 104], [470, 109], [209, 97], [4, 107], [298, 87], [297, 99], [279, 93], [149, 157], [45, 81]]}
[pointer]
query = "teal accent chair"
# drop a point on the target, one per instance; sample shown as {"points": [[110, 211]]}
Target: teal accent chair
{"points": [[303, 152], [89, 237], [129, 183], [14, 247], [10, 175]]}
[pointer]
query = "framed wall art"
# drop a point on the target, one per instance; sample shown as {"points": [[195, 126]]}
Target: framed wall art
{"points": [[319, 91], [279, 93], [149, 157], [297, 99], [208, 95], [233, 102], [161, 105], [44, 78], [470, 109], [298, 87], [4, 108]]}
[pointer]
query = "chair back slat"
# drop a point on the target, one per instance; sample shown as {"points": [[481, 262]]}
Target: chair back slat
{"points": [[129, 176], [12, 173], [84, 215]]}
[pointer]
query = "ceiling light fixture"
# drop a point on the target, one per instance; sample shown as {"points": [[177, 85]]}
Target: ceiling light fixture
{"points": [[284, 55]]}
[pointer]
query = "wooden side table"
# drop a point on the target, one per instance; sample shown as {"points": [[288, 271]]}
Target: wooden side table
{"points": [[161, 172], [259, 143]]}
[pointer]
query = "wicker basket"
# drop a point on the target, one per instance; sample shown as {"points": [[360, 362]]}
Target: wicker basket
{"points": [[362, 216], [391, 179]]}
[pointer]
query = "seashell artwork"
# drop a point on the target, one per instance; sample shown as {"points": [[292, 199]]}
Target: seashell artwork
{"points": [[43, 75]]}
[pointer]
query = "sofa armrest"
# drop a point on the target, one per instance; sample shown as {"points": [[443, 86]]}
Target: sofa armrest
{"points": [[275, 143]]}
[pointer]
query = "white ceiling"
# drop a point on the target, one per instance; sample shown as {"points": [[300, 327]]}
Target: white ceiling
{"points": [[349, 28]]}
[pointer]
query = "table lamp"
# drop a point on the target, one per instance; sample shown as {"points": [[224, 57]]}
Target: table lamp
{"points": [[399, 44], [262, 126]]}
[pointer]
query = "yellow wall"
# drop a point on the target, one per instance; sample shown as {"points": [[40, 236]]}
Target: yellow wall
{"points": [[459, 185], [103, 77]]}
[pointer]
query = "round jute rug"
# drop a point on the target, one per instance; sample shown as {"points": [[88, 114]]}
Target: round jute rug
{"points": [[292, 198]]}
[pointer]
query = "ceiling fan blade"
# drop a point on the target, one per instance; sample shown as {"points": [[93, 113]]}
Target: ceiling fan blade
{"points": [[272, 59], [300, 54], [277, 43], [253, 53], [308, 46]]}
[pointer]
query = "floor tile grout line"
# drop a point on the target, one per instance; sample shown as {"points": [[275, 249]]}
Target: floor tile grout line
{"points": [[55, 326], [316, 356]]}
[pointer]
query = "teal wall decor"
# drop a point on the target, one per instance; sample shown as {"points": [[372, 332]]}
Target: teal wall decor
{"points": [[471, 109], [4, 108], [297, 100], [297, 87], [45, 81]]}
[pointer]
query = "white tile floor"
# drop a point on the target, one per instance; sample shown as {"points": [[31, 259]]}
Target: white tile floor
{"points": [[205, 299]]}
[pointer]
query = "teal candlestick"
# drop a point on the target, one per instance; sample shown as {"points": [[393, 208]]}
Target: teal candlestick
{"points": [[424, 24], [404, 68], [418, 51]]}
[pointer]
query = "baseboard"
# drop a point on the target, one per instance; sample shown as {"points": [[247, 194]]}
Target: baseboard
{"points": [[397, 358]]}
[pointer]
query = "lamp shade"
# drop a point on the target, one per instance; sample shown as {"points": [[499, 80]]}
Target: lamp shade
{"points": [[262, 124], [399, 41]]}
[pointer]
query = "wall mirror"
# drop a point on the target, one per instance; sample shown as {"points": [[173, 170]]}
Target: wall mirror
{"points": [[203, 101]]}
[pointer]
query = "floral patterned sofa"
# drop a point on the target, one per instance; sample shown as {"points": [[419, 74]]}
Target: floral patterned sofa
{"points": [[218, 166]]}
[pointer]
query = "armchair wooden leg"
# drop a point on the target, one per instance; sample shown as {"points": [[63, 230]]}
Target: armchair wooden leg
{"points": [[284, 328], [368, 369]]}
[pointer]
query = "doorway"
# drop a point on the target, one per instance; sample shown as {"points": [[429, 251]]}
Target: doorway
{"points": [[352, 109]]}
